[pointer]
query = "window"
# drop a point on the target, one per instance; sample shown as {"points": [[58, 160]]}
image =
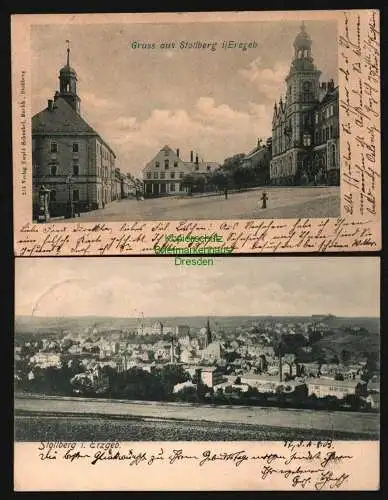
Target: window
{"points": [[180, 175], [54, 147], [306, 140], [156, 176], [53, 195], [148, 175], [333, 156], [181, 187], [75, 147], [175, 163], [162, 175], [76, 195], [327, 112], [157, 164], [316, 137], [172, 187], [166, 152], [75, 169], [331, 132], [172, 175], [306, 86], [166, 164], [331, 110], [53, 170], [208, 168], [316, 118]]}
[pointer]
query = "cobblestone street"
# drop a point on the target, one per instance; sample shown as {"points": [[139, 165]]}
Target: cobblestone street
{"points": [[283, 203]]}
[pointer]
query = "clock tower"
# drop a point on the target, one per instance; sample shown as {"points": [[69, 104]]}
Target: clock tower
{"points": [[302, 92]]}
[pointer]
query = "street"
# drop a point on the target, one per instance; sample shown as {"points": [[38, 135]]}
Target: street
{"points": [[283, 203]]}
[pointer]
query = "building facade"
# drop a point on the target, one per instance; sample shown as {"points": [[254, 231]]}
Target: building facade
{"points": [[68, 156], [305, 125], [165, 174]]}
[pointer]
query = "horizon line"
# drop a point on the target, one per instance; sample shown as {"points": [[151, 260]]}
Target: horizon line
{"points": [[197, 315]]}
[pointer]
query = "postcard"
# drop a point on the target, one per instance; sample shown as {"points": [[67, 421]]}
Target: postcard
{"points": [[260, 130], [138, 373]]}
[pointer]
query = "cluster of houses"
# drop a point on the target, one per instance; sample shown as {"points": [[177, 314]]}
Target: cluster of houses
{"points": [[225, 361]]}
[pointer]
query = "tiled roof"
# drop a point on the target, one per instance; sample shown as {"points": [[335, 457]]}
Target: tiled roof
{"points": [[62, 119], [330, 95]]}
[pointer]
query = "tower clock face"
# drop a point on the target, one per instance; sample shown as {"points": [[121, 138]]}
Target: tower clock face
{"points": [[306, 86]]}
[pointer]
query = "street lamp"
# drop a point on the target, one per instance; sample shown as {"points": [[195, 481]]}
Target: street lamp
{"points": [[70, 207], [44, 214]]}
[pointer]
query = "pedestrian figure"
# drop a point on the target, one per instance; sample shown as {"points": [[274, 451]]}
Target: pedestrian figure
{"points": [[226, 193], [103, 204], [264, 198]]}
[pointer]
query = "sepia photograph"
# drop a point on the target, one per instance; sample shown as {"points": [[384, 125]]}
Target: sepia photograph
{"points": [[185, 121], [251, 349]]}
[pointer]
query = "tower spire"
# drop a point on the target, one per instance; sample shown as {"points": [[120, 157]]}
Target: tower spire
{"points": [[303, 27], [68, 53]]}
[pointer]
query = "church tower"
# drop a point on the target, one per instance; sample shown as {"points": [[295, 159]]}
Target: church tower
{"points": [[68, 84], [209, 338], [302, 92]]}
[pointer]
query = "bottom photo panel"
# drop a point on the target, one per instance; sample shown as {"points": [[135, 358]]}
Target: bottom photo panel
{"points": [[251, 373]]}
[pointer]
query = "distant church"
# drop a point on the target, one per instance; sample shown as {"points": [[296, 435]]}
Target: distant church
{"points": [[68, 156], [305, 125]]}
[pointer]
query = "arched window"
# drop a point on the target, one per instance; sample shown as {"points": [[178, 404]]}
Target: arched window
{"points": [[333, 156]]}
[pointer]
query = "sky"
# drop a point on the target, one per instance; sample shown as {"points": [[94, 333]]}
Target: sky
{"points": [[155, 287], [216, 103]]}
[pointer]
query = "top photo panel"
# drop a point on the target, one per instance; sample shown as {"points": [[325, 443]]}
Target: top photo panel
{"points": [[175, 133]]}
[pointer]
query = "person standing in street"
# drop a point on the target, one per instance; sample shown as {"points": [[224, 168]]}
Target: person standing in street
{"points": [[264, 199]]}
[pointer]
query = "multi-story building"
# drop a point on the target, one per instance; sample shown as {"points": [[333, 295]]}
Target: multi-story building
{"points": [[46, 359], [305, 125], [165, 173], [69, 157], [338, 388], [259, 160]]}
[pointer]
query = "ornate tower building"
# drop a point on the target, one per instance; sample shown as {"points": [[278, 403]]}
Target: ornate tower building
{"points": [[295, 120]]}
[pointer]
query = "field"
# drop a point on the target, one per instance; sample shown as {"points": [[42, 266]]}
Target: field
{"points": [[55, 418], [92, 428]]}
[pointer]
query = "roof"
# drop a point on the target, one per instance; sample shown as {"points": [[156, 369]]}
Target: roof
{"points": [[331, 95], [63, 119], [331, 382]]}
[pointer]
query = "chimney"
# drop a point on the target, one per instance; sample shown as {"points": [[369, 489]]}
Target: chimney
{"points": [[191, 157], [177, 153], [196, 158], [50, 104]]}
